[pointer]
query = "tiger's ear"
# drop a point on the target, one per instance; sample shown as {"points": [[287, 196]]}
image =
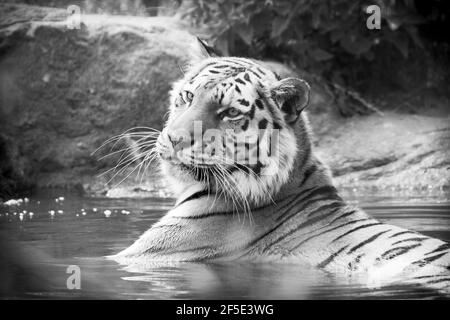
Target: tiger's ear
{"points": [[200, 50], [292, 95]]}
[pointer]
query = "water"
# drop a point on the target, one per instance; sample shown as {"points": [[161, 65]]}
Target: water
{"points": [[37, 250]]}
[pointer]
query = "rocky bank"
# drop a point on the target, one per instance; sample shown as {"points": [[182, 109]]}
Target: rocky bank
{"points": [[65, 91]]}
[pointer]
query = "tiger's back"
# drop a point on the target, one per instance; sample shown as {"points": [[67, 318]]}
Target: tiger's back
{"points": [[281, 207]]}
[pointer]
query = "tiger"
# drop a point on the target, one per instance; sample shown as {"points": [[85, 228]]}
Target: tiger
{"points": [[281, 206]]}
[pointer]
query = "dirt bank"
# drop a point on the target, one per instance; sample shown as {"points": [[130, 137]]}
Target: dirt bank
{"points": [[63, 92]]}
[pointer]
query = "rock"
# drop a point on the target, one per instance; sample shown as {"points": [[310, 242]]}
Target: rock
{"points": [[63, 92], [394, 151], [15, 175]]}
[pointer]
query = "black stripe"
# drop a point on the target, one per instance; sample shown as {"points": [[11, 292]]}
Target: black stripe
{"points": [[222, 95], [346, 214], [251, 113], [402, 232], [268, 232], [206, 215], [260, 71], [431, 276], [330, 259], [277, 126], [333, 205], [299, 227], [262, 124], [304, 160], [245, 126], [166, 226], [246, 64], [356, 229], [256, 74], [260, 95], [155, 250], [369, 240], [244, 102], [303, 225], [435, 281], [290, 210], [417, 239], [200, 71], [308, 173], [394, 252], [442, 247], [216, 214], [295, 199], [305, 203], [329, 230], [329, 192], [259, 104], [425, 261], [239, 63], [196, 195]]}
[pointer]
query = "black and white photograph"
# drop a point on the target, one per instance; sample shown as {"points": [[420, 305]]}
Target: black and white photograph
{"points": [[253, 151]]}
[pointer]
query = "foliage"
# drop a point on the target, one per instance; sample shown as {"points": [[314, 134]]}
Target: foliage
{"points": [[325, 37]]}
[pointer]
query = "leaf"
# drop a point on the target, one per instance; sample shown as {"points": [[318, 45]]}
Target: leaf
{"points": [[412, 31], [320, 54], [336, 35], [355, 46], [401, 42], [222, 45], [245, 32], [279, 25]]}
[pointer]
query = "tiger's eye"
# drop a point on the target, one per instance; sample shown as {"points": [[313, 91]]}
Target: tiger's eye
{"points": [[189, 96], [232, 112]]}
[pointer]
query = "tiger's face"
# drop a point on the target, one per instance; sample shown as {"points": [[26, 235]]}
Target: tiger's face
{"points": [[230, 130]]}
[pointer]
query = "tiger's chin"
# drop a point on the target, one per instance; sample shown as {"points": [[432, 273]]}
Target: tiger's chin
{"points": [[244, 186]]}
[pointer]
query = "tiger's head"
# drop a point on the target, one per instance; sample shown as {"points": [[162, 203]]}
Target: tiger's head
{"points": [[230, 128]]}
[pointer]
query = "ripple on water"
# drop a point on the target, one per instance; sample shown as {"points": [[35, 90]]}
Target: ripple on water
{"points": [[44, 236]]}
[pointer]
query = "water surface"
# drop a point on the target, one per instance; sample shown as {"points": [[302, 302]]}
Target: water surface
{"points": [[36, 251]]}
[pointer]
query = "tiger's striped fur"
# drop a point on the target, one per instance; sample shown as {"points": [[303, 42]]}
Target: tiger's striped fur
{"points": [[296, 212]]}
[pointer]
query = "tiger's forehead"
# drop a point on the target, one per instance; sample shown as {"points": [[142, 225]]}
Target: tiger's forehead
{"points": [[228, 72]]}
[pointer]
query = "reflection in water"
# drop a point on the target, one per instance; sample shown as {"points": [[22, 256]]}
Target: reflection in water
{"points": [[37, 249]]}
